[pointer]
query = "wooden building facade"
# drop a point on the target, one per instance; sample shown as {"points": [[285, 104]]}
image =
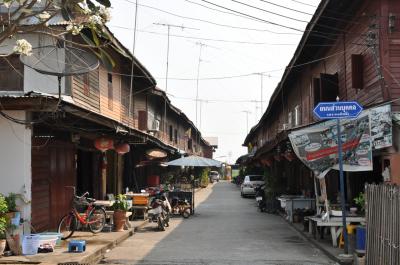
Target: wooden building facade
{"points": [[350, 50]]}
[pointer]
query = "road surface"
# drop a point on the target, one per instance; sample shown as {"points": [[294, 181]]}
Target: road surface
{"points": [[226, 229]]}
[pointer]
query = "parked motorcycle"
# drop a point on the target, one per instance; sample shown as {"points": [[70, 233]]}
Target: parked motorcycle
{"points": [[181, 206], [260, 198], [157, 214]]}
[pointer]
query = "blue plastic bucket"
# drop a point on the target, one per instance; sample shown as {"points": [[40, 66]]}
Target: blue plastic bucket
{"points": [[360, 236]]}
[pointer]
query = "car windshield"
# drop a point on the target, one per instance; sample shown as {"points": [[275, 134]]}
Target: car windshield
{"points": [[256, 178]]}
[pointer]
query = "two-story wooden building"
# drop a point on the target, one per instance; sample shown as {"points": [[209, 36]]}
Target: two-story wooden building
{"points": [[349, 49], [51, 143]]}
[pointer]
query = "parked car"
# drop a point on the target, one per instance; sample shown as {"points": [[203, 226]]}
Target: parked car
{"points": [[214, 176], [249, 184]]}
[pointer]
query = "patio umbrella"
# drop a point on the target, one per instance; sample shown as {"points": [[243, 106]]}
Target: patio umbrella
{"points": [[194, 161]]}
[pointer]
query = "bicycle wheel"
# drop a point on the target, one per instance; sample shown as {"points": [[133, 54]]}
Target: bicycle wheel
{"points": [[96, 220], [67, 226]]}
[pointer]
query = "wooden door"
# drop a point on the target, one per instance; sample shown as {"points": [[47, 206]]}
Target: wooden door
{"points": [[53, 168]]}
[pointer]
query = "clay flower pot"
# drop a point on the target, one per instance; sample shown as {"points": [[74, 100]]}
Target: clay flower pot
{"points": [[2, 246], [119, 220]]}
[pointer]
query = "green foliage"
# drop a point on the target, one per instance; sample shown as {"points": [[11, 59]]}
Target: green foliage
{"points": [[11, 202], [204, 180], [3, 220], [360, 201], [120, 203], [3, 205]]}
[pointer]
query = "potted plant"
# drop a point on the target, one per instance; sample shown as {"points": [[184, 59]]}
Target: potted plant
{"points": [[120, 208], [360, 201], [12, 208], [3, 223]]}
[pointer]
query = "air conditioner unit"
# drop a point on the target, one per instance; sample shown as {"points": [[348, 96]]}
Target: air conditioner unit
{"points": [[155, 126]]}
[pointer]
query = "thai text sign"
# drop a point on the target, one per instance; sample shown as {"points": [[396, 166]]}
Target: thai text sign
{"points": [[337, 110]]}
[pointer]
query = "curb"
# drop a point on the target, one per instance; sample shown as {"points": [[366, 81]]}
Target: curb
{"points": [[96, 256], [315, 244]]}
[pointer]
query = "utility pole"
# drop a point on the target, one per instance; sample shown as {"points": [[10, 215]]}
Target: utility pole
{"points": [[197, 79], [247, 120], [200, 114], [131, 99], [169, 26], [197, 89], [262, 90]]}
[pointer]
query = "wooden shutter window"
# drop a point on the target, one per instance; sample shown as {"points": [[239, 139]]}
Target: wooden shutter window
{"points": [[170, 133], [329, 87], [142, 120], [357, 77], [86, 85], [317, 90], [110, 91]]}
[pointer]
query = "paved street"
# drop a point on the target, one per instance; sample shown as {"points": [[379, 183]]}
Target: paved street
{"points": [[226, 229]]}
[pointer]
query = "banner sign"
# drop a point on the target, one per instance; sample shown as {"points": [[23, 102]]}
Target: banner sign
{"points": [[381, 127], [317, 147]]}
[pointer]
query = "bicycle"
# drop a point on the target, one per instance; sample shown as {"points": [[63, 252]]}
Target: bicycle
{"points": [[93, 216]]}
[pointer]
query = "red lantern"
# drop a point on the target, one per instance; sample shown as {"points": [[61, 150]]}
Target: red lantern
{"points": [[103, 144], [122, 148]]}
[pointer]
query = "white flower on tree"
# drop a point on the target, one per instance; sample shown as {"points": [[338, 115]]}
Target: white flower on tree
{"points": [[105, 14], [74, 29], [23, 47], [44, 16]]}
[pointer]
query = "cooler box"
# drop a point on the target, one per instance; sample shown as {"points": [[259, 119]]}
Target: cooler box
{"points": [[140, 199]]}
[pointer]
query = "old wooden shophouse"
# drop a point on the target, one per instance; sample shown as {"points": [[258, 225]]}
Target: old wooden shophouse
{"points": [[350, 50], [93, 137]]}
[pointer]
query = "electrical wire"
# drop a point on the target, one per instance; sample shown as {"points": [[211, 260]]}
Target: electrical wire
{"points": [[210, 22], [302, 3], [208, 39], [310, 14], [287, 17], [269, 12]]}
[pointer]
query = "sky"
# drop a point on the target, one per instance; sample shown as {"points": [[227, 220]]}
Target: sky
{"points": [[233, 48]]}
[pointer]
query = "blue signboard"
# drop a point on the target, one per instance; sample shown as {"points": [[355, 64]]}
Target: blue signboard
{"points": [[337, 110]]}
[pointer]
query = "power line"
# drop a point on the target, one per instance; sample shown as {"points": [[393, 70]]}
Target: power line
{"points": [[310, 14], [208, 39], [242, 75], [211, 22], [288, 8], [270, 12], [260, 19], [287, 17], [302, 3]]}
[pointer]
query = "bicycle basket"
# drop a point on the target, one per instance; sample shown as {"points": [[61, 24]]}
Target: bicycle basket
{"points": [[80, 205]]}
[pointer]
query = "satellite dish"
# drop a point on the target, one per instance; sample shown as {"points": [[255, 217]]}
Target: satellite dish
{"points": [[60, 61]]}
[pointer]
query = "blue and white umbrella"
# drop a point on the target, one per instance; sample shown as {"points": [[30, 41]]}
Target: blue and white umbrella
{"points": [[194, 161]]}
